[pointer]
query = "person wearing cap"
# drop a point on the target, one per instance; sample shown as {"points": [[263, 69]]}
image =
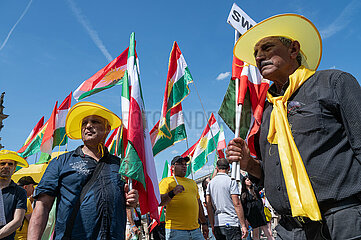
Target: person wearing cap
{"points": [[309, 148], [224, 206], [26, 182], [91, 196], [184, 208], [14, 196]]}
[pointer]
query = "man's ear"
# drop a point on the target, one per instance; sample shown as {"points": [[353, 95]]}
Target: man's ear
{"points": [[294, 49]]}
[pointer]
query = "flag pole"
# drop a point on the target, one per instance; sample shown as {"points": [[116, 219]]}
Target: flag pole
{"points": [[236, 167]]}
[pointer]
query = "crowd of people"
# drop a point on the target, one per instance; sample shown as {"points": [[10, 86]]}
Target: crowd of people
{"points": [[308, 161]]}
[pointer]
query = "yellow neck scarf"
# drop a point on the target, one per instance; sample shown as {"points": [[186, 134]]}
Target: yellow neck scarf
{"points": [[300, 193]]}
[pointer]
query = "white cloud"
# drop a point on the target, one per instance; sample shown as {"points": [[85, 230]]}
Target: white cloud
{"points": [[12, 29], [223, 76], [342, 20], [92, 33], [174, 152]]}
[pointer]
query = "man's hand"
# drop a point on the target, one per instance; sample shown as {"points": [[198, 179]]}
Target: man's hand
{"points": [[178, 189], [238, 151], [244, 232], [205, 230], [131, 197]]}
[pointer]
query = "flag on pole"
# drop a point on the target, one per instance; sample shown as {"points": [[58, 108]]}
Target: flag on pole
{"points": [[33, 141], [206, 144], [166, 170], [60, 137], [105, 78], [35, 130], [47, 141], [221, 144], [252, 96], [138, 162], [114, 142], [54, 134], [170, 128]]}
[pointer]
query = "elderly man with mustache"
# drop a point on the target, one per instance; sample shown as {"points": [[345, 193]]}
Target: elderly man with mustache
{"points": [[309, 143]]}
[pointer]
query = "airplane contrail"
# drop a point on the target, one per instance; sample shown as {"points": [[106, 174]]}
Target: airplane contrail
{"points": [[12, 29], [92, 33]]}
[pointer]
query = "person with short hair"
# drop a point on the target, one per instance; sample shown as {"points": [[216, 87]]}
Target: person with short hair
{"points": [[26, 182], [14, 196], [309, 143], [184, 208], [91, 196], [225, 211]]}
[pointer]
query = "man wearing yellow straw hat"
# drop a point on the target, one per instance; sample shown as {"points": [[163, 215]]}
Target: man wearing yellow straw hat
{"points": [[309, 155], [13, 196], [91, 196]]}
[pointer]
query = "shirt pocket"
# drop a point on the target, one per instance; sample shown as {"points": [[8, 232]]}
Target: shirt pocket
{"points": [[306, 119]]}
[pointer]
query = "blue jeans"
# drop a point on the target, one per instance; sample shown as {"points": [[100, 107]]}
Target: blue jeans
{"points": [[227, 233], [174, 234]]}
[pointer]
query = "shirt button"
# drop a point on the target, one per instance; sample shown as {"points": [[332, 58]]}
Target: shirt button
{"points": [[278, 188]]}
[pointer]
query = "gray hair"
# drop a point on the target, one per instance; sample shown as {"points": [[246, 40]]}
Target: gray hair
{"points": [[287, 42]]}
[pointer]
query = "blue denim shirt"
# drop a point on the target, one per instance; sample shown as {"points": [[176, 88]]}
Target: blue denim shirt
{"points": [[14, 197], [102, 213]]}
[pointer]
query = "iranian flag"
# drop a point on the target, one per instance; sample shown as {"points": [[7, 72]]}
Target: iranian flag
{"points": [[221, 144], [206, 144], [138, 162], [170, 129], [114, 142], [105, 78], [252, 96], [54, 134], [33, 141]]}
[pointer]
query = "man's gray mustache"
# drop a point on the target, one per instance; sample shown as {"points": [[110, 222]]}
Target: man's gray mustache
{"points": [[266, 62]]}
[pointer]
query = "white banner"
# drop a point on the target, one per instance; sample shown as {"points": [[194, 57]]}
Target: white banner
{"points": [[239, 20]]}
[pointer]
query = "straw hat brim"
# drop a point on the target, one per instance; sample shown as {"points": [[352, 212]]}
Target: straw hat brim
{"points": [[82, 110], [292, 26], [11, 155]]}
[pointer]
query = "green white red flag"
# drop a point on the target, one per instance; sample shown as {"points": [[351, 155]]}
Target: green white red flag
{"points": [[170, 129], [114, 142], [206, 144], [252, 96], [30, 147], [105, 78], [138, 162], [54, 134]]}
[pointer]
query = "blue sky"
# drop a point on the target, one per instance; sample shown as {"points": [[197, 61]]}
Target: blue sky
{"points": [[48, 48]]}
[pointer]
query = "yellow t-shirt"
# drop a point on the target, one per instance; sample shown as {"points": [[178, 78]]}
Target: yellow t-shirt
{"points": [[22, 232], [183, 210]]}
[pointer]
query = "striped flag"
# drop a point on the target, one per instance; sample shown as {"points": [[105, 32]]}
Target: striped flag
{"points": [[138, 162], [170, 129], [206, 144], [166, 170], [54, 134], [252, 96], [35, 130], [105, 78], [32, 143], [47, 141], [114, 142]]}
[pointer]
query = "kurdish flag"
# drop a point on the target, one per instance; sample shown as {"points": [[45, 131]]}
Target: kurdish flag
{"points": [[138, 162], [166, 170], [206, 144], [54, 134], [170, 128], [252, 96], [105, 78], [114, 142], [47, 141], [33, 141]]}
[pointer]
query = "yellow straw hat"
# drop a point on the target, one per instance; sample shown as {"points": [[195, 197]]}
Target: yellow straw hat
{"points": [[84, 109], [11, 155], [292, 26]]}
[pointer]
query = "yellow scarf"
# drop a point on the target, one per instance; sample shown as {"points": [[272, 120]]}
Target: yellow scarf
{"points": [[300, 193]]}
